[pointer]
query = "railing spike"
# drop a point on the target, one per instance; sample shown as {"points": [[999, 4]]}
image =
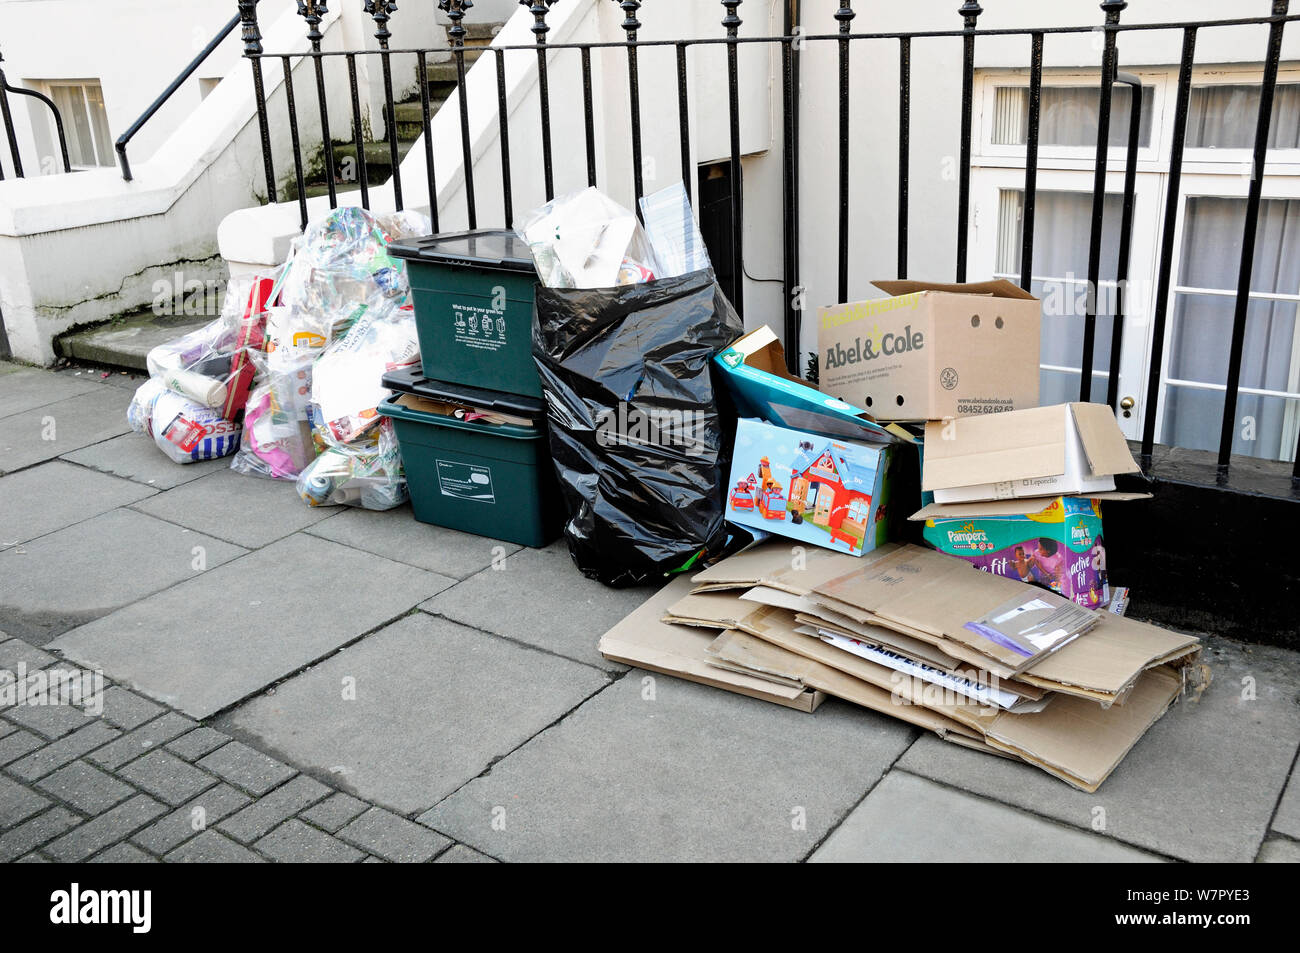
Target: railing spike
{"points": [[455, 10], [313, 11], [539, 9], [380, 11], [731, 21], [249, 31], [630, 23]]}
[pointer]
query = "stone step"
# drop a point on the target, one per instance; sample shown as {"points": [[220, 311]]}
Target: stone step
{"points": [[125, 341]]}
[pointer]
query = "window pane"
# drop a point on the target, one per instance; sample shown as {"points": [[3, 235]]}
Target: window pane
{"points": [[1069, 116], [99, 123], [76, 124], [1224, 117], [1062, 224], [1265, 426], [1201, 330]]}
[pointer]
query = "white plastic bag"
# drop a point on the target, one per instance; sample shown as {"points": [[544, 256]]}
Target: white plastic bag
{"points": [[184, 430], [585, 239]]}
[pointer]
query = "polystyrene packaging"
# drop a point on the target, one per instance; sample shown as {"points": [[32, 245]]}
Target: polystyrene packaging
{"points": [[366, 473], [585, 239], [184, 430]]}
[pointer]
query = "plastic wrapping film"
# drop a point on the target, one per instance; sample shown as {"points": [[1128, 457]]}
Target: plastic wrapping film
{"points": [[585, 239], [640, 441]]}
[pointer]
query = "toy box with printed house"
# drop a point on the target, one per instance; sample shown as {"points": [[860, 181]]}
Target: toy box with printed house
{"points": [[810, 487]]}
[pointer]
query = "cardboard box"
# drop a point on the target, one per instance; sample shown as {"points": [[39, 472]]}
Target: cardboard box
{"points": [[643, 640], [762, 388], [1062, 450], [1059, 545], [935, 598], [809, 487], [933, 351]]}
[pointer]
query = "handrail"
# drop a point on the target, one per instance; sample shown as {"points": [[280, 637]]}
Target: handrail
{"points": [[176, 84], [5, 89]]}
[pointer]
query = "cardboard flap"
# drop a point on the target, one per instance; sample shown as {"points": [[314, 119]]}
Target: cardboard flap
{"points": [[1023, 506], [1000, 288], [1104, 444], [971, 451]]}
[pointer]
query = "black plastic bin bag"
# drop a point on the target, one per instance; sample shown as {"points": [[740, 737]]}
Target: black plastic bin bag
{"points": [[640, 439]]}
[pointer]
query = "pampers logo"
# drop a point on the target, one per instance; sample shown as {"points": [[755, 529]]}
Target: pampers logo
{"points": [[1080, 535], [75, 906], [968, 537]]}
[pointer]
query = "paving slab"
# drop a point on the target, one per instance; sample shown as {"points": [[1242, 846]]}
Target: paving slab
{"points": [[136, 457], [398, 535], [1201, 785], [123, 854], [18, 802], [1287, 819], [293, 842], [538, 597], [58, 494], [906, 819], [25, 388], [335, 811], [393, 838], [37, 831], [85, 788], [167, 777], [209, 642], [434, 704], [247, 768], [106, 829], [274, 808], [246, 510], [460, 854], [52, 430], [667, 770], [191, 819], [213, 848], [83, 572], [15, 652], [1280, 850]]}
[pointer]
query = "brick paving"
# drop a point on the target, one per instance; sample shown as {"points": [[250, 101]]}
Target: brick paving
{"points": [[293, 685]]}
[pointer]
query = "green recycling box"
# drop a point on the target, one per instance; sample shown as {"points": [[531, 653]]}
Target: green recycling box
{"points": [[494, 480], [473, 295]]}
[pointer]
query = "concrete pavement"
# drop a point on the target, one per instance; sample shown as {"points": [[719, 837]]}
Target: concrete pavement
{"points": [[272, 682]]}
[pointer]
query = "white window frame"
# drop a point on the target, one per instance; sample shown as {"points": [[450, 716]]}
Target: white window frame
{"points": [[46, 86], [1217, 172]]}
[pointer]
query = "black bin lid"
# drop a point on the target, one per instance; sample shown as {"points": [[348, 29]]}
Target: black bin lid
{"points": [[495, 248], [410, 380]]}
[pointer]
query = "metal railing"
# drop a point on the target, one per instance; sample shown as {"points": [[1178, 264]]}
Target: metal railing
{"points": [[11, 132], [797, 39], [126, 137]]}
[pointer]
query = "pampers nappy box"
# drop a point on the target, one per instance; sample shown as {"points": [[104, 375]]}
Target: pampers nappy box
{"points": [[1056, 543]]}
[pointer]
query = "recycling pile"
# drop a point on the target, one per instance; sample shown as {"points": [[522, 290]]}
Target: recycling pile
{"points": [[287, 379]]}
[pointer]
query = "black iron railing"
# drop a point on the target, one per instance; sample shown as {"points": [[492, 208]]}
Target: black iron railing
{"points": [[124, 140], [11, 132], [797, 38]]}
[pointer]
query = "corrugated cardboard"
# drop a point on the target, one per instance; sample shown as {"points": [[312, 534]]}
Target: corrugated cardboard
{"points": [[933, 350], [742, 651], [1063, 450], [1072, 738], [782, 565], [643, 640], [932, 596]]}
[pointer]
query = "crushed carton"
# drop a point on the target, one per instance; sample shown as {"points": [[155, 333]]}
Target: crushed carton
{"points": [[1061, 450], [932, 351], [809, 487]]}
